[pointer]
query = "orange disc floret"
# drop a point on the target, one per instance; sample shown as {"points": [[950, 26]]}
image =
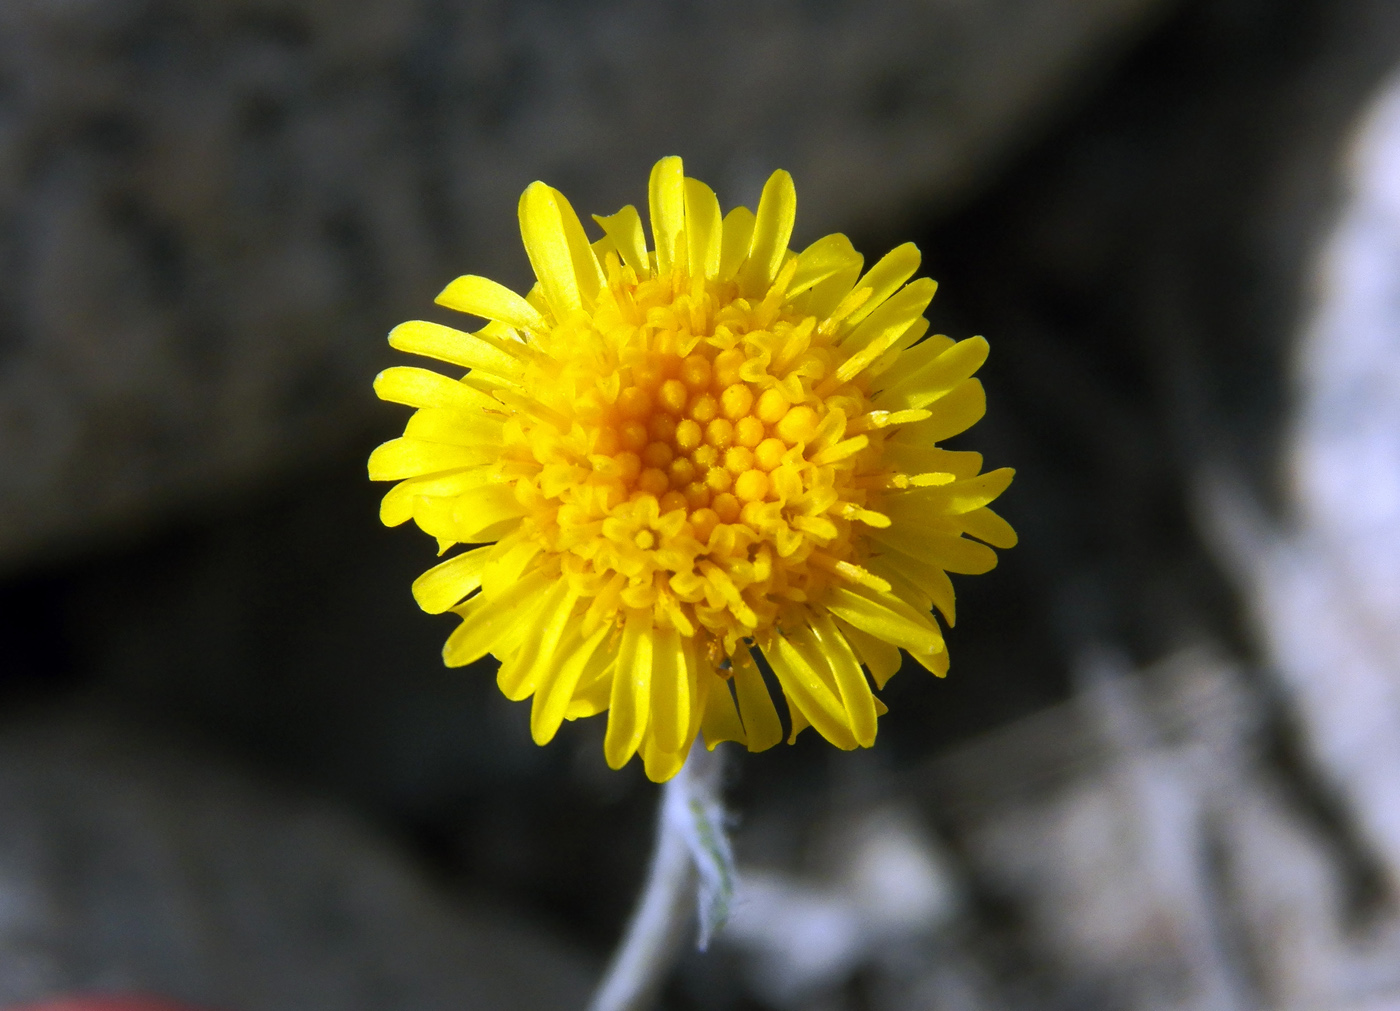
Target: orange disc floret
{"points": [[663, 459]]}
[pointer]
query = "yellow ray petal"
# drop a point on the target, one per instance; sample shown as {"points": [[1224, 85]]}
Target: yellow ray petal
{"points": [[445, 584], [799, 722], [906, 590], [772, 230], [915, 505], [552, 699], [433, 340], [666, 201], [507, 646], [886, 617], [625, 230], [478, 511], [421, 388], [631, 691], [935, 663], [956, 412], [452, 427], [434, 517], [987, 526], [892, 319], [850, 679], [826, 295], [703, 228], [734, 249], [480, 296], [539, 646], [601, 248], [883, 279], [945, 550], [931, 580], [867, 358], [828, 256], [486, 620], [588, 271], [803, 640], [804, 687], [919, 355], [721, 721], [761, 724], [924, 386], [897, 350], [440, 518], [696, 664], [975, 492], [507, 563], [659, 765], [670, 691], [916, 459], [547, 246], [880, 657], [401, 458], [594, 689], [397, 506]]}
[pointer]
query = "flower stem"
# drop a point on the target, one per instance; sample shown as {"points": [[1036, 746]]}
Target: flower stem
{"points": [[661, 922]]}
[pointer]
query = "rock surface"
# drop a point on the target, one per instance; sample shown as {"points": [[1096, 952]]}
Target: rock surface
{"points": [[213, 212], [131, 866], [1159, 857], [1135, 848]]}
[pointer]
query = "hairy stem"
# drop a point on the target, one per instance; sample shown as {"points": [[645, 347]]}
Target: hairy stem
{"points": [[665, 912]]}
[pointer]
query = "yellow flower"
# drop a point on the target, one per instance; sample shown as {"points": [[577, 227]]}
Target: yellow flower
{"points": [[673, 456]]}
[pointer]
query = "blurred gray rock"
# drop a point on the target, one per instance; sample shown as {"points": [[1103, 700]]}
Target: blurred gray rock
{"points": [[1323, 581], [130, 866], [1157, 859], [212, 212], [1138, 848]]}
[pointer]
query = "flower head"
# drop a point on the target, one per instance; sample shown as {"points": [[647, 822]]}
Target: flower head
{"points": [[671, 457]]}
